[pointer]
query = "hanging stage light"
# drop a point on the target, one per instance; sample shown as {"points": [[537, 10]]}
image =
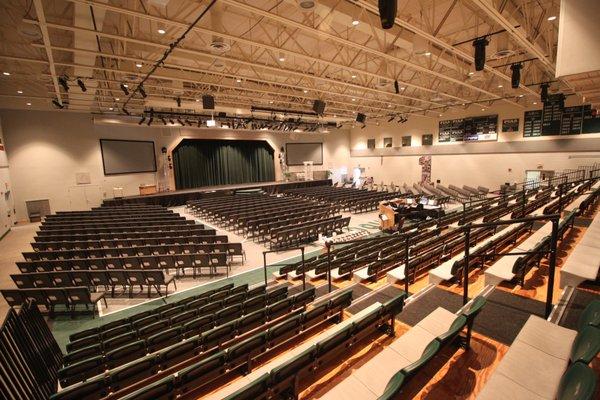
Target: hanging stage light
{"points": [[125, 111], [171, 122], [124, 89], [164, 121], [57, 104], [81, 85], [480, 44], [180, 121], [515, 79], [393, 117], [142, 120], [178, 100], [142, 91], [544, 92], [150, 120], [387, 12], [63, 82]]}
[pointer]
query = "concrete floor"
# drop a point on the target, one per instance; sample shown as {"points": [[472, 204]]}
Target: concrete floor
{"points": [[20, 237]]}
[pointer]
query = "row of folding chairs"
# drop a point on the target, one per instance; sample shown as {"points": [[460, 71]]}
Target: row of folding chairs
{"points": [[232, 249], [177, 262], [68, 297], [175, 231], [107, 279], [125, 227], [149, 220], [138, 242]]}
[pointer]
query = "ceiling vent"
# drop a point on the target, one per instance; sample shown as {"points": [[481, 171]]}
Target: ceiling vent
{"points": [[218, 45], [306, 5], [219, 65], [383, 83], [502, 48]]}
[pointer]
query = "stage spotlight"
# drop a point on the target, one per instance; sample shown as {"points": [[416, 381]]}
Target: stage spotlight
{"points": [[124, 89], [171, 122], [363, 127], [397, 87], [180, 121], [178, 100], [63, 82], [57, 104], [544, 92], [81, 85], [393, 117], [150, 121], [515, 79], [164, 121], [480, 44], [142, 120], [142, 91], [387, 13], [125, 111]]}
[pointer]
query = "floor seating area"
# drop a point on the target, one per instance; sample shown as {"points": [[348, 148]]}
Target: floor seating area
{"points": [[348, 199], [220, 348], [383, 376], [278, 221], [547, 361], [79, 257]]}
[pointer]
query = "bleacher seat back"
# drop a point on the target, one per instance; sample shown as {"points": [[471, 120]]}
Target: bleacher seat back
{"points": [[256, 391], [586, 345], [577, 383], [202, 371]]}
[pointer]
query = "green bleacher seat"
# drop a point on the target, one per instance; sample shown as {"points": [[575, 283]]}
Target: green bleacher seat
{"points": [[577, 383]]}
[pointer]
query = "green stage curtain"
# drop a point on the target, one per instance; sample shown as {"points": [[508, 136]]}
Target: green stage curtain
{"points": [[199, 162]]}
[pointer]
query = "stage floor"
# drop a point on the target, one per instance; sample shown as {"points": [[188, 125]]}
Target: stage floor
{"points": [[180, 197]]}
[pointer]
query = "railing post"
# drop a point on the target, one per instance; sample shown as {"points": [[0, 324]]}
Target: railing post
{"points": [[328, 244], [406, 263], [560, 197], [265, 265], [524, 201], [466, 264], [303, 270], [552, 267]]}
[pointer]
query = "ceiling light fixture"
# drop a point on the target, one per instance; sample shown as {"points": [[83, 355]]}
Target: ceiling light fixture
{"points": [[6, 73], [353, 76], [28, 104], [355, 22], [63, 82], [139, 65], [552, 18], [124, 89], [500, 86], [142, 91], [161, 31], [480, 45], [20, 91], [515, 78], [117, 99], [427, 53]]}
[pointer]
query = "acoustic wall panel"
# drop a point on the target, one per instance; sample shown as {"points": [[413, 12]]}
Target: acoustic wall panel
{"points": [[127, 156], [297, 153]]}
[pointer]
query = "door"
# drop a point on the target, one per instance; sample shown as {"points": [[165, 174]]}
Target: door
{"points": [[532, 179]]}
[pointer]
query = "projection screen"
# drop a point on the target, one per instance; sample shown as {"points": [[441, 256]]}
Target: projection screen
{"points": [[297, 153], [127, 156]]}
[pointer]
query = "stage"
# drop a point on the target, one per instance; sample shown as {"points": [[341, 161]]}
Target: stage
{"points": [[180, 197]]}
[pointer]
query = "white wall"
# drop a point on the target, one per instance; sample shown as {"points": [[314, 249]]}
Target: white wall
{"points": [[490, 170], [47, 149], [6, 197]]}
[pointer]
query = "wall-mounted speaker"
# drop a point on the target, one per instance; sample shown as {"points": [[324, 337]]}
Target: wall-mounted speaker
{"points": [[360, 117], [208, 102], [387, 13], [319, 107]]}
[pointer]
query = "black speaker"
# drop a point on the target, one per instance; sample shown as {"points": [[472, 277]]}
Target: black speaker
{"points": [[515, 78], [387, 13], [319, 107], [480, 44], [208, 102], [360, 117]]}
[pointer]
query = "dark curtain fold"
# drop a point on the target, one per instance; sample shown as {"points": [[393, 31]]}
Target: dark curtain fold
{"points": [[199, 162]]}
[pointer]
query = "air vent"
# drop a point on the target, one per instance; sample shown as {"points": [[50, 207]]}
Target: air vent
{"points": [[502, 54], [306, 5], [218, 45]]}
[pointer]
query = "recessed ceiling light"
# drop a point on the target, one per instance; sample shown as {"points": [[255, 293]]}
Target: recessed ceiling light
{"points": [[282, 59], [125, 85], [427, 53], [353, 112], [353, 99], [334, 116], [117, 99], [441, 115], [110, 108], [552, 18], [483, 109], [139, 65], [521, 95], [535, 102], [355, 22], [28, 104], [353, 76], [162, 31], [389, 105], [305, 91], [197, 100], [471, 73], [6, 73], [238, 80], [271, 102], [499, 86], [20, 91]]}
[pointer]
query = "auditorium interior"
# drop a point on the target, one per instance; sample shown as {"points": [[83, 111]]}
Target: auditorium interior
{"points": [[299, 199]]}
